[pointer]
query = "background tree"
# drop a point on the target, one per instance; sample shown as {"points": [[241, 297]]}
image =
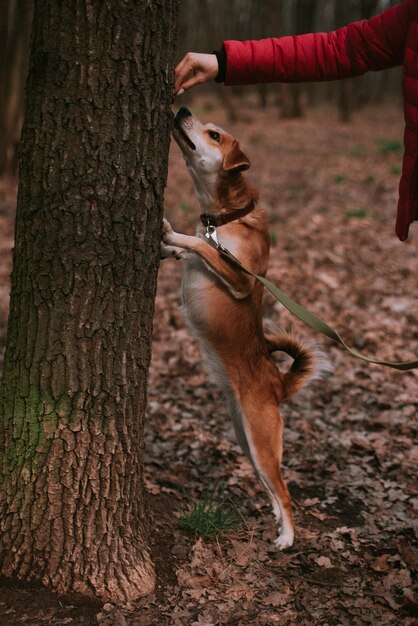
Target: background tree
{"points": [[93, 167], [15, 23], [299, 18]]}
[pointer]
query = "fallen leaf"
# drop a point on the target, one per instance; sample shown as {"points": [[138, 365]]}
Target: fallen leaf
{"points": [[381, 563], [324, 561], [276, 599], [409, 554]]}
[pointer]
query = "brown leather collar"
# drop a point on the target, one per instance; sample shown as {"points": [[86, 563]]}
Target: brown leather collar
{"points": [[219, 219]]}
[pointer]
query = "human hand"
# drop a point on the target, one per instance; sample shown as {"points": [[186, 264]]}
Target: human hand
{"points": [[203, 67]]}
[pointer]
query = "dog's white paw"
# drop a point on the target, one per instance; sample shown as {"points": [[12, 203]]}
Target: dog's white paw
{"points": [[166, 252], [284, 540], [170, 252], [167, 233]]}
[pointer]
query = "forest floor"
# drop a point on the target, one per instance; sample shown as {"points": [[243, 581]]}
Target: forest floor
{"points": [[351, 449]]}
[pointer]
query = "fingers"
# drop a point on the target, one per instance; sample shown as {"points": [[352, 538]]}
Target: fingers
{"points": [[181, 71], [203, 67], [197, 79]]}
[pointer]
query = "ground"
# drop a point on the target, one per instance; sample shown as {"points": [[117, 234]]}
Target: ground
{"points": [[351, 450]]}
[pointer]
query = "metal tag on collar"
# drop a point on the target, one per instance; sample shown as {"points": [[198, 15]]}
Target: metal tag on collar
{"points": [[211, 234]]}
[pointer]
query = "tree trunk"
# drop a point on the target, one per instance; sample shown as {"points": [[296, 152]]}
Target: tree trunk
{"points": [[15, 25], [299, 18], [344, 100], [345, 12], [93, 168], [291, 101]]}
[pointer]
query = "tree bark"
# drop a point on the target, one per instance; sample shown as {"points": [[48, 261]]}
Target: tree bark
{"points": [[93, 167]]}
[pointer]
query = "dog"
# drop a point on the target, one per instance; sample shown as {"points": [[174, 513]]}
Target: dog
{"points": [[223, 304]]}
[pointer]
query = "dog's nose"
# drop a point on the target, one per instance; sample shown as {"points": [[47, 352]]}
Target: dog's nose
{"points": [[182, 113]]}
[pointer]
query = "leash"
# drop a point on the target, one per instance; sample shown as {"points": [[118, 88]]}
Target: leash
{"points": [[311, 320]]}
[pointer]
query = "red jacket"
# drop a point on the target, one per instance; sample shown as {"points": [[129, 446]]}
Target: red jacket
{"points": [[386, 40]]}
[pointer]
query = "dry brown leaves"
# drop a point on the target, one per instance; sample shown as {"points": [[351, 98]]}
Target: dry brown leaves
{"points": [[351, 447]]}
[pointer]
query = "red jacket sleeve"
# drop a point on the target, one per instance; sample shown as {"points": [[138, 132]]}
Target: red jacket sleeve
{"points": [[373, 44]]}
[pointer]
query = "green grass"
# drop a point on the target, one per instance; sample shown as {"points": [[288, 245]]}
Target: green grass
{"points": [[395, 169], [359, 213], [210, 516], [339, 178], [386, 146]]}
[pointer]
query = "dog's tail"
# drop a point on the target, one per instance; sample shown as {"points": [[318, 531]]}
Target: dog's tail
{"points": [[309, 363]]}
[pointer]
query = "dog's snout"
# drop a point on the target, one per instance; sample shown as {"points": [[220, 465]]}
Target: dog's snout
{"points": [[183, 123], [182, 113]]}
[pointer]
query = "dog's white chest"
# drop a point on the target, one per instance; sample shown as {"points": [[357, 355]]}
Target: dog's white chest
{"points": [[197, 283]]}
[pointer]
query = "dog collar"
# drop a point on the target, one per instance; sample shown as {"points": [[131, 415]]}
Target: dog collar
{"points": [[219, 219]]}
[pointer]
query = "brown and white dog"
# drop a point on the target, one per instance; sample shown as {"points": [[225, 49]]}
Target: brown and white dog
{"points": [[223, 304]]}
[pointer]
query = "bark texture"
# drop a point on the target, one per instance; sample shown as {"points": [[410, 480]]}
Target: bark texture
{"points": [[93, 168]]}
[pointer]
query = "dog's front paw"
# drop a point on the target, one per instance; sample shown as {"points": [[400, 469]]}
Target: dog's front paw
{"points": [[168, 234], [170, 252]]}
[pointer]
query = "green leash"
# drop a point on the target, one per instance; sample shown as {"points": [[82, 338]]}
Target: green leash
{"points": [[311, 320]]}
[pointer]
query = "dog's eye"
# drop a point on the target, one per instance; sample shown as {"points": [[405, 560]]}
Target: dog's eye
{"points": [[214, 135]]}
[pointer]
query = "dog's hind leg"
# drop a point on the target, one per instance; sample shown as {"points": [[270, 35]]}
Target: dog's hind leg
{"points": [[242, 440], [264, 431], [235, 413]]}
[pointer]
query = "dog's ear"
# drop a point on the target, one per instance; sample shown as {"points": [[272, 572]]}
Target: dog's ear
{"points": [[235, 159]]}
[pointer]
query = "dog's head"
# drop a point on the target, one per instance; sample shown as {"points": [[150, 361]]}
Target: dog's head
{"points": [[209, 151]]}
